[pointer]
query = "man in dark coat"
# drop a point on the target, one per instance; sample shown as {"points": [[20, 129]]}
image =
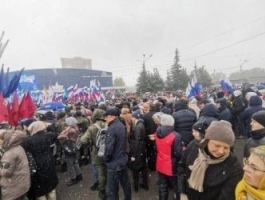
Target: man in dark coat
{"points": [[209, 114], [115, 157], [224, 112], [137, 159], [255, 105], [184, 118], [150, 128], [237, 108], [257, 132]]}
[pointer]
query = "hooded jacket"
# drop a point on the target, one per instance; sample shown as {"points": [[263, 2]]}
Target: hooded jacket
{"points": [[224, 112], [209, 113], [255, 105], [184, 119], [169, 150], [14, 173]]}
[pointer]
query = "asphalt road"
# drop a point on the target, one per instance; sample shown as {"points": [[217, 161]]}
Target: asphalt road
{"points": [[81, 191]]}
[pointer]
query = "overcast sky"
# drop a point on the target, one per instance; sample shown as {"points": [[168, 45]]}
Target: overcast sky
{"points": [[115, 34]]}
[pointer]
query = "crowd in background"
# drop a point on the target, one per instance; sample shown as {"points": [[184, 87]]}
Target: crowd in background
{"points": [[189, 142]]}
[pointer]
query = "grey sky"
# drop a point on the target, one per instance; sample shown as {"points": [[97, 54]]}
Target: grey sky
{"points": [[116, 33]]}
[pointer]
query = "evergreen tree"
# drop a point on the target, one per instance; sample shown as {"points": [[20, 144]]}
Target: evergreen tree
{"points": [[156, 81], [177, 77], [143, 83], [203, 76]]}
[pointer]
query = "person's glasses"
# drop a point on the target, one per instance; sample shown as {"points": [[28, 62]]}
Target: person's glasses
{"points": [[252, 167]]}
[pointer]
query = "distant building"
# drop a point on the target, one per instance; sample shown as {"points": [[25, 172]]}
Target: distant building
{"points": [[37, 78], [76, 63]]}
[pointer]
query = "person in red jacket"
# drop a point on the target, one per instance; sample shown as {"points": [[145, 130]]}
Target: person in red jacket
{"points": [[169, 150]]}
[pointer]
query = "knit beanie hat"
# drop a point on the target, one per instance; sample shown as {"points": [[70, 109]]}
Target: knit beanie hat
{"points": [[259, 117], [137, 114], [200, 126], [220, 131], [167, 120]]}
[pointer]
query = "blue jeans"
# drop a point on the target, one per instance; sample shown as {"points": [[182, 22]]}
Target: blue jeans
{"points": [[113, 180]]}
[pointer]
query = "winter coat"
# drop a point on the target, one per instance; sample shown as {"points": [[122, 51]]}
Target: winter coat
{"points": [[149, 123], [14, 175], [126, 115], [224, 112], [89, 137], [209, 114], [39, 145], [220, 179], [255, 105], [115, 146], [137, 146], [169, 150], [257, 139], [238, 105], [184, 119]]}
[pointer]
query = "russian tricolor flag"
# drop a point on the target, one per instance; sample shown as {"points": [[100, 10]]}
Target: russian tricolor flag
{"points": [[226, 86]]}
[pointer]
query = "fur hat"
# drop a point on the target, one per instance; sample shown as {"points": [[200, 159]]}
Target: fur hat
{"points": [[167, 120], [259, 117], [237, 93], [220, 131]]}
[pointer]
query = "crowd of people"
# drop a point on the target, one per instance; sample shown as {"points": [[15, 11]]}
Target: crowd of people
{"points": [[189, 142]]}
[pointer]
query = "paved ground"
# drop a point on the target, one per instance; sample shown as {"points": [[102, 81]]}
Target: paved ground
{"points": [[81, 191]]}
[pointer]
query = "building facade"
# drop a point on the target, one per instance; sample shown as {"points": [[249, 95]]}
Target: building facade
{"points": [[38, 78]]}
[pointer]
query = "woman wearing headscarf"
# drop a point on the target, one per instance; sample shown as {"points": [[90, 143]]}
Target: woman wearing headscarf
{"points": [[70, 135], [252, 186], [212, 171], [44, 181], [14, 170]]}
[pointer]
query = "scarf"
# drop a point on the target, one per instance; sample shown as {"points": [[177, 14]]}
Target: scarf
{"points": [[199, 167], [258, 134], [243, 189]]}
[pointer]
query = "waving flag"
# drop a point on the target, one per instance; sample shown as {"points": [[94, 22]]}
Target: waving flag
{"points": [[3, 109], [2, 79], [13, 84], [193, 88], [226, 85], [13, 111]]}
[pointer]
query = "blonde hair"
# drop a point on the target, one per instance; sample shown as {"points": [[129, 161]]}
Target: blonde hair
{"points": [[259, 151]]}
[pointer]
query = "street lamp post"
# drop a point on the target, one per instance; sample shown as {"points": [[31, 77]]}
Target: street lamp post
{"points": [[241, 70]]}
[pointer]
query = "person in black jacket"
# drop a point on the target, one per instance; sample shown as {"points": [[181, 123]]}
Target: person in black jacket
{"points": [[209, 114], [115, 156], [184, 118], [212, 171], [150, 128], [255, 105], [257, 132], [224, 112], [237, 108], [137, 154], [39, 144]]}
